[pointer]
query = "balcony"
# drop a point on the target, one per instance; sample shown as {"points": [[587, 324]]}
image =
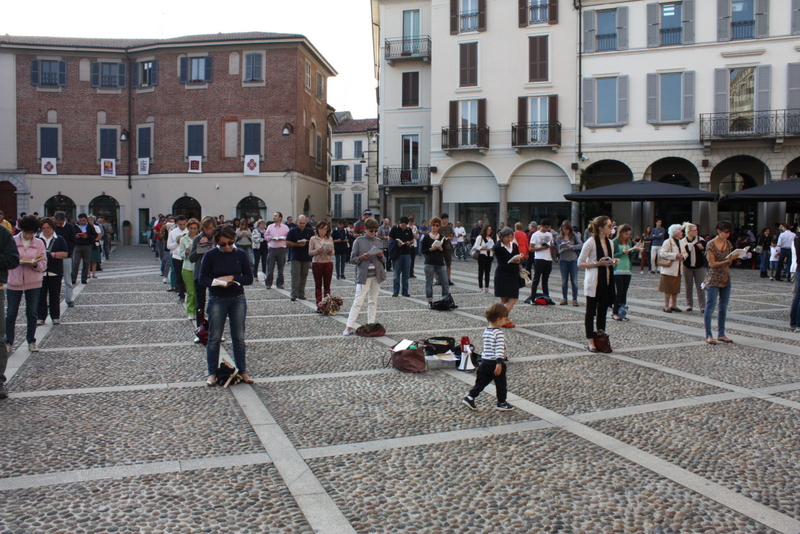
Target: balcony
{"points": [[468, 22], [774, 124], [399, 176], [472, 138], [538, 13], [537, 134], [670, 36], [742, 29], [345, 214], [606, 41], [404, 49]]}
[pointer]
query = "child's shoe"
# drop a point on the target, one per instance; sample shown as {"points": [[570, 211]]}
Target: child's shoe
{"points": [[502, 406], [469, 402]]}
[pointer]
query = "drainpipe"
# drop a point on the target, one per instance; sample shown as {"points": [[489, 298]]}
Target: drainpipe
{"points": [[578, 5], [130, 131]]}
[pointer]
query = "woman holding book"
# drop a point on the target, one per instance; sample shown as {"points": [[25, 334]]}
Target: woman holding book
{"points": [[321, 249], [26, 279], [718, 281], [432, 246], [506, 274]]}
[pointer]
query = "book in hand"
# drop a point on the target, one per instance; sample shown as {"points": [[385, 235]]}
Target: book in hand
{"points": [[31, 261], [518, 256], [374, 251], [738, 253], [216, 282], [437, 243]]}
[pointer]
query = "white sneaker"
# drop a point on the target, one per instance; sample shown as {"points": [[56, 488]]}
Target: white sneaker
{"points": [[196, 339], [164, 280], [56, 321], [347, 332], [32, 347]]}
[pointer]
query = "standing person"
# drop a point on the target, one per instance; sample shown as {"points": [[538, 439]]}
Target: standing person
{"points": [[260, 247], [694, 266], [493, 360], [794, 309], [321, 249], [173, 242], [644, 257], [785, 240], [370, 274], [108, 233], [5, 223], [484, 243], [569, 245], [623, 247], [187, 267], [670, 281], [226, 264], [244, 240], [597, 257], [341, 247], [276, 249], [522, 239], [404, 238], [506, 274], [297, 240], [423, 231], [202, 243], [67, 231], [541, 243], [57, 250], [764, 241], [96, 255], [774, 256], [9, 259], [477, 229], [433, 245], [460, 233], [718, 281], [26, 279], [84, 239], [446, 231], [657, 236], [383, 234], [360, 225], [414, 246]]}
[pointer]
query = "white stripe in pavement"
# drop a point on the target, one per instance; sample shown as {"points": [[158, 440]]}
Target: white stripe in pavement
{"points": [[781, 388]]}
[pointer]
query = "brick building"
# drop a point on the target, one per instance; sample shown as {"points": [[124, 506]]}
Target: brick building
{"points": [[229, 124]]}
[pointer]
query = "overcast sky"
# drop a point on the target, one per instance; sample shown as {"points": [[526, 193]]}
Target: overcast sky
{"points": [[339, 29]]}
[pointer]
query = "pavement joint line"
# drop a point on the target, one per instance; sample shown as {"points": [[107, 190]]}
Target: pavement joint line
{"points": [[131, 470], [732, 315], [656, 407], [737, 502], [106, 389], [319, 508], [123, 321], [780, 388]]}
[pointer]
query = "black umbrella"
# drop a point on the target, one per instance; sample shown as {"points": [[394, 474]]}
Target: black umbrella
{"points": [[642, 190], [772, 192]]}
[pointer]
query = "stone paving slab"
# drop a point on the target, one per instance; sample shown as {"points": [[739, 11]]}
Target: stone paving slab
{"points": [[334, 411], [88, 335], [746, 445], [250, 499], [289, 358], [594, 383], [621, 334], [283, 327], [449, 324], [751, 367], [119, 314], [86, 431], [117, 299], [791, 395], [515, 483], [51, 370], [277, 307], [522, 344], [116, 285]]}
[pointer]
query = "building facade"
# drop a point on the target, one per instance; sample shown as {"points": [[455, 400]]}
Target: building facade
{"points": [[354, 176], [232, 124]]}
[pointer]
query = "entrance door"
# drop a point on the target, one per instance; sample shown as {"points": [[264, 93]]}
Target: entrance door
{"points": [[407, 208], [144, 225], [411, 32], [8, 201]]}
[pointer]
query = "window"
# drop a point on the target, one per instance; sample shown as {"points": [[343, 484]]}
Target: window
{"points": [[308, 75], [144, 142], [605, 30], [469, 123], [337, 205], [743, 94], [337, 150], [48, 73], [252, 67], [538, 118], [357, 203], [537, 11], [670, 24], [108, 75], [605, 102], [410, 89], [742, 19], [468, 64], [537, 59], [145, 73], [195, 140], [358, 150], [410, 29], [197, 69], [357, 173], [338, 173], [319, 149], [252, 138], [108, 143], [538, 121], [670, 97], [410, 152], [48, 142], [467, 16], [320, 86]]}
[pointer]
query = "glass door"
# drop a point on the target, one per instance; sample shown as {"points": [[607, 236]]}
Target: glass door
{"points": [[411, 32], [409, 174]]}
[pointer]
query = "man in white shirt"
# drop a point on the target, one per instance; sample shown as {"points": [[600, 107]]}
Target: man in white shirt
{"points": [[460, 234], [785, 241], [541, 241], [173, 240], [275, 236]]}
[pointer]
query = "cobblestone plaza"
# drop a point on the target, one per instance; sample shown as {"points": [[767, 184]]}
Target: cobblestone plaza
{"points": [[111, 428]]}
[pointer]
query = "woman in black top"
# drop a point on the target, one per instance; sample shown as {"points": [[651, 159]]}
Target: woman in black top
{"points": [[506, 275], [764, 241], [434, 261]]}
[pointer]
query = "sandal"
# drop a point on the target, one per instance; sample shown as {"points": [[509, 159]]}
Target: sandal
{"points": [[711, 341], [667, 310], [725, 339], [211, 381], [616, 317], [246, 379]]}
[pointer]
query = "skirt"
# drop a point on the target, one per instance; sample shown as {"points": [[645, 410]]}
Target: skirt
{"points": [[671, 285], [506, 285], [94, 257]]}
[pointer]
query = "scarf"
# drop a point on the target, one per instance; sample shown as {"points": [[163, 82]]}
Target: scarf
{"points": [[694, 260], [605, 275]]}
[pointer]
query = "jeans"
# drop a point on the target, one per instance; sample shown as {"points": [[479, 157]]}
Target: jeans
{"points": [[191, 295], [369, 291], [51, 288], [441, 272], [484, 376], [569, 273], [299, 278], [541, 271], [484, 270], [107, 245], [341, 264], [724, 294], [697, 276], [413, 259], [275, 255], [621, 283], [83, 253], [250, 257], [165, 261], [595, 307], [3, 351], [402, 268], [31, 305], [220, 308], [260, 254], [794, 312], [67, 278], [461, 250], [177, 269], [322, 272], [784, 263], [764, 264]]}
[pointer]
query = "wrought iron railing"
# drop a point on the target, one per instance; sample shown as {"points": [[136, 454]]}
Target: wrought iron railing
{"points": [[345, 214], [607, 41], [49, 78], [536, 134], [750, 125], [670, 36], [405, 48], [742, 29], [468, 22], [538, 13], [476, 137], [396, 176]]}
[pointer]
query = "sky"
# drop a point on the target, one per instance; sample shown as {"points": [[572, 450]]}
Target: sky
{"points": [[339, 29]]}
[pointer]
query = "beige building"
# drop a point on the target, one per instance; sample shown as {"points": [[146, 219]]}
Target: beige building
{"points": [[354, 164]]}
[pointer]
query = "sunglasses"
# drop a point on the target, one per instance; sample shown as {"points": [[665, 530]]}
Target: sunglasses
{"points": [[436, 225], [226, 243]]}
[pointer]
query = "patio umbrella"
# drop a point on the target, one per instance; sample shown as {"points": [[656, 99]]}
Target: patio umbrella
{"points": [[772, 192], [641, 191]]}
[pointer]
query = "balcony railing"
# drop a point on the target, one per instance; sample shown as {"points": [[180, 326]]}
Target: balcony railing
{"points": [[399, 176], [742, 29], [404, 48], [607, 41], [468, 22], [538, 13], [670, 36], [475, 138], [771, 124], [345, 214], [536, 134]]}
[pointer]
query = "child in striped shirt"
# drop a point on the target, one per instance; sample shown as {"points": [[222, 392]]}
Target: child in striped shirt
{"points": [[493, 362]]}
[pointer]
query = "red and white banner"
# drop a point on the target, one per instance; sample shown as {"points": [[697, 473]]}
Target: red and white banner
{"points": [[49, 166], [144, 165], [251, 164], [195, 163], [108, 167]]}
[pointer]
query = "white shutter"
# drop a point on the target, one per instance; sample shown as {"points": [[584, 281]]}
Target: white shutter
{"points": [[688, 96], [652, 98]]}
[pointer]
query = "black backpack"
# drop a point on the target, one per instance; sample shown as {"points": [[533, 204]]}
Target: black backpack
{"points": [[446, 303]]}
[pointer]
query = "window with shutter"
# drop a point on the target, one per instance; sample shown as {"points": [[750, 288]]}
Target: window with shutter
{"points": [[356, 202], [308, 75], [468, 64], [606, 30], [606, 101], [537, 59], [357, 149], [146, 74], [108, 143], [144, 138], [410, 89], [252, 68], [743, 19], [320, 86], [48, 142], [252, 138], [357, 172], [337, 150], [49, 73], [195, 137]]}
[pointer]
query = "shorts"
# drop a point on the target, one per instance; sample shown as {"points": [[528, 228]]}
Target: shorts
{"points": [[773, 265]]}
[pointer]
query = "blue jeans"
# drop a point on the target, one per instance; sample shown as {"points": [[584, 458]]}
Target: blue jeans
{"points": [[794, 312], [724, 294], [569, 273], [14, 298], [402, 268], [441, 272], [341, 264], [235, 309]]}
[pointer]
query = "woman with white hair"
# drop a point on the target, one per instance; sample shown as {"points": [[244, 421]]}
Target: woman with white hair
{"points": [[694, 266], [670, 263]]}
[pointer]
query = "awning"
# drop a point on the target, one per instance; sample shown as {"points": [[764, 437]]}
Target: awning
{"points": [[772, 192], [641, 191]]}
